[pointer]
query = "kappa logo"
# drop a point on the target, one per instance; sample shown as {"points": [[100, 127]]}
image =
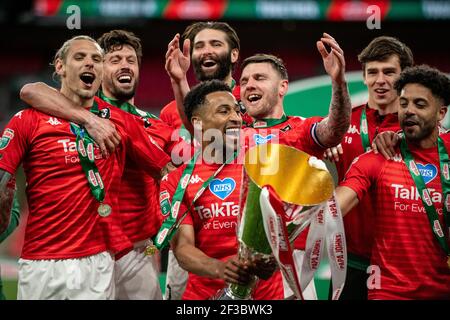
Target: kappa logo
{"points": [[260, 139], [222, 188], [19, 114], [54, 121], [428, 172], [195, 179], [287, 128], [8, 135]]}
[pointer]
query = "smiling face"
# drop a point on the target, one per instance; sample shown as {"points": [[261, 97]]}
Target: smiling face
{"points": [[212, 57], [81, 71], [219, 116], [379, 77], [121, 73], [419, 113], [262, 90]]}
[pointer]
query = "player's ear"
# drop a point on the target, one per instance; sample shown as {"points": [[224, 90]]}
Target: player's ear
{"points": [[234, 55], [442, 113], [60, 68], [196, 122]]}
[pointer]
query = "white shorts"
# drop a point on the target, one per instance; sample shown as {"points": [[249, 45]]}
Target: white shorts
{"points": [[137, 275], [176, 279], [310, 292], [88, 278]]}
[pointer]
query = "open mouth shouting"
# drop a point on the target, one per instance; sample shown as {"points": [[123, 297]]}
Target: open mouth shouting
{"points": [[87, 78]]}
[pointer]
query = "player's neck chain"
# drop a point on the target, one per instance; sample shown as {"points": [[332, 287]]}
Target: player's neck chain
{"points": [[433, 218]]}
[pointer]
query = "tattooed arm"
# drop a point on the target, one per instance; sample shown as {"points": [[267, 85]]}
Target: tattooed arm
{"points": [[7, 190], [332, 129]]}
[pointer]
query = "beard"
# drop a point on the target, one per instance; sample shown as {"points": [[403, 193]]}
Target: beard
{"points": [[119, 93], [224, 66]]}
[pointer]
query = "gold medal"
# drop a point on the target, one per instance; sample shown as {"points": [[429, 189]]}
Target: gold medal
{"points": [[150, 250], [104, 210]]}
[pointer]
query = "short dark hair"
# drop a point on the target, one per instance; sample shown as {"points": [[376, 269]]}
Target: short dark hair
{"points": [[197, 96], [116, 39], [276, 63], [381, 48], [192, 30], [431, 78]]}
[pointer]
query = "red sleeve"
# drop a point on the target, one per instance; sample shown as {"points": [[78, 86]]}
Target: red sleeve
{"points": [[169, 114], [363, 173], [16, 139], [167, 189], [305, 137], [141, 148]]}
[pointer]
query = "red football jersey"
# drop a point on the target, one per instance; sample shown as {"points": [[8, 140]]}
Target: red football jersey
{"points": [[359, 221], [63, 220], [297, 132], [138, 198], [411, 263], [214, 219]]}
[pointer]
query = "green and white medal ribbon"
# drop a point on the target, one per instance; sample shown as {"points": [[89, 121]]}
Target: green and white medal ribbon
{"points": [[432, 214], [85, 149], [364, 130], [170, 224], [267, 123], [128, 107]]}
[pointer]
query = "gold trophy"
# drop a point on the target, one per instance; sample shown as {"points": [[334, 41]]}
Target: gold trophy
{"points": [[295, 179]]}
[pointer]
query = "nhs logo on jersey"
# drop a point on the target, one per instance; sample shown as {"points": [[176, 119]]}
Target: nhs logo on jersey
{"points": [[222, 188], [428, 172], [260, 139]]}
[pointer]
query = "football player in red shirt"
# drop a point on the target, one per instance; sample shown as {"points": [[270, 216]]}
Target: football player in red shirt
{"points": [[410, 256], [206, 242], [382, 61], [74, 222]]}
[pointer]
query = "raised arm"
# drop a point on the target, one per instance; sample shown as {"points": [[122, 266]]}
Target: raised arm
{"points": [[332, 129], [48, 100], [177, 65], [7, 190], [194, 260]]}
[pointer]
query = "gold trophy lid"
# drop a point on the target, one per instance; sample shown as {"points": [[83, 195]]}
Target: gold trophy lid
{"points": [[290, 173]]}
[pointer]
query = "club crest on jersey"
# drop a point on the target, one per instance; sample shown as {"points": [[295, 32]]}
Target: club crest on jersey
{"points": [[428, 172], [105, 113], [8, 135], [164, 202], [222, 188], [260, 139]]}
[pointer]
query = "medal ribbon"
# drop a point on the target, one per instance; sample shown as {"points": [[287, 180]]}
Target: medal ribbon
{"points": [[364, 130], [85, 149], [128, 107], [432, 214], [170, 224]]}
